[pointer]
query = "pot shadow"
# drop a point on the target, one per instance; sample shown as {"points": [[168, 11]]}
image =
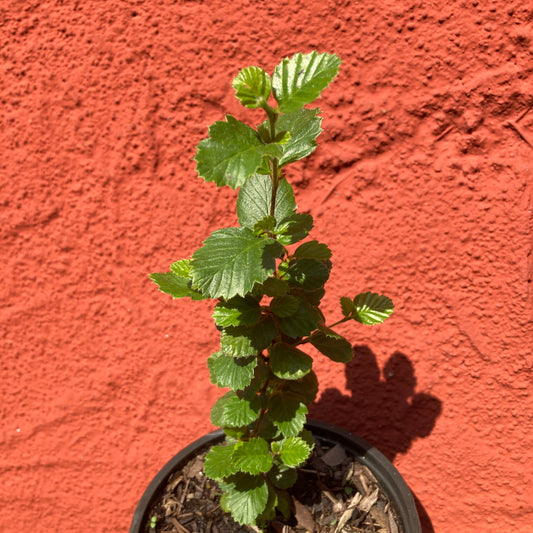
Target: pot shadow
{"points": [[382, 407]]}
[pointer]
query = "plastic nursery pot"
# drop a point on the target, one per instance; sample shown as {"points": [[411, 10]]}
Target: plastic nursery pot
{"points": [[386, 474]]}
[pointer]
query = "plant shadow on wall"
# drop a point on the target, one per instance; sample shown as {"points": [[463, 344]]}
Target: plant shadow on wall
{"points": [[383, 407]]}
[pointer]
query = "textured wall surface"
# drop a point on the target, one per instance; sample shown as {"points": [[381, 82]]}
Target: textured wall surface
{"points": [[421, 186]]}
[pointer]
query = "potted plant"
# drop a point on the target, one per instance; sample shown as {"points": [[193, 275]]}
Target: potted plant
{"points": [[267, 277]]}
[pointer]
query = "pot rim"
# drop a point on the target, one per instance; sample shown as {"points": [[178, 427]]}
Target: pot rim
{"points": [[386, 473]]}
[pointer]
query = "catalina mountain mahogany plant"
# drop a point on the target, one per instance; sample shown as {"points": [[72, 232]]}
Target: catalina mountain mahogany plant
{"points": [[267, 278]]}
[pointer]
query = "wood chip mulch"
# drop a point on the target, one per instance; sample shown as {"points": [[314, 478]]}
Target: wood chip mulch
{"points": [[334, 494]]}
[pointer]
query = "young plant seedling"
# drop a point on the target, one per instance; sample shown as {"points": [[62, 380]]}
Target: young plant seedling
{"points": [[268, 279]]}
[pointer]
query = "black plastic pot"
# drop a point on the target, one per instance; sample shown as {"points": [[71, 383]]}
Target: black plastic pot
{"points": [[388, 477]]}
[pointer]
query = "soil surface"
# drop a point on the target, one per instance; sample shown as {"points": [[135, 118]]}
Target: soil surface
{"points": [[333, 494]]}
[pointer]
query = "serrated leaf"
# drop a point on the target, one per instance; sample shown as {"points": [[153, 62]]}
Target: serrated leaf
{"points": [[269, 512], [304, 127], [230, 262], [275, 287], [261, 375], [245, 497], [347, 306], [252, 456], [300, 323], [217, 411], [313, 250], [241, 341], [252, 87], [300, 80], [265, 225], [176, 286], [284, 503], [284, 306], [372, 308], [232, 153], [332, 345], [218, 464], [237, 311], [283, 477], [230, 410], [182, 268], [265, 429], [307, 437], [305, 389], [288, 362], [294, 228], [282, 137], [287, 413], [231, 372], [253, 203], [308, 274], [294, 451]]}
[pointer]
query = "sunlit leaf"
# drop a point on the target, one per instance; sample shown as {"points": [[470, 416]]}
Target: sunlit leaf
{"points": [[300, 80], [371, 308], [252, 456], [231, 372], [232, 153], [230, 262], [252, 87]]}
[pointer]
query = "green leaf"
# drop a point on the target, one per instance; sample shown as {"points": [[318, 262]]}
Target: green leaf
{"points": [[287, 362], [261, 375], [283, 477], [275, 287], [230, 262], [347, 306], [230, 410], [253, 203], [252, 456], [231, 372], [372, 308], [217, 411], [245, 497], [313, 250], [284, 502], [235, 434], [303, 127], [176, 286], [237, 311], [332, 345], [283, 306], [267, 430], [269, 512], [294, 228], [232, 153], [294, 451], [300, 80], [312, 298], [301, 323], [308, 274], [287, 413], [265, 225], [241, 341], [182, 268], [252, 87], [218, 463], [305, 389]]}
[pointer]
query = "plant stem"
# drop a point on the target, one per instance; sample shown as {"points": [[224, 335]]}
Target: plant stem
{"points": [[263, 411], [345, 319], [272, 115]]}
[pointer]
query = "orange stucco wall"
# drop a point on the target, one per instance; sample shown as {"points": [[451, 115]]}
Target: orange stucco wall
{"points": [[421, 186]]}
